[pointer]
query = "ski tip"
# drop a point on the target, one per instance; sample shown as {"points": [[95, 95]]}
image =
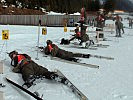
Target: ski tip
{"points": [[84, 98], [98, 67], [7, 79], [110, 58]]}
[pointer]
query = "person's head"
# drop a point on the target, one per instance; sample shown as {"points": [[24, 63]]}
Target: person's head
{"points": [[13, 54], [49, 42], [77, 27]]}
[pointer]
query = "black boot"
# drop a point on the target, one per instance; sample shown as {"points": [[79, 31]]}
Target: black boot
{"points": [[58, 78], [54, 76], [92, 42], [64, 80], [73, 59], [27, 84], [86, 55]]}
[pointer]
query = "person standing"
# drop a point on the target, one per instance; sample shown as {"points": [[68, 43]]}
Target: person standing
{"points": [[130, 23], [118, 26]]}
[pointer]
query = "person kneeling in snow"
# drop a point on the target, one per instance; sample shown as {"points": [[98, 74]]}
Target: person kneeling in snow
{"points": [[30, 70], [82, 36], [55, 51]]}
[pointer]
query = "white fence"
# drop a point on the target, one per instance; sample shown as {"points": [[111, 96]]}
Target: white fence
{"points": [[48, 20]]}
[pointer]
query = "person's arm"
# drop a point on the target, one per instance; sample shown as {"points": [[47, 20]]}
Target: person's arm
{"points": [[27, 56], [54, 51], [74, 37], [16, 69], [14, 61], [46, 50]]}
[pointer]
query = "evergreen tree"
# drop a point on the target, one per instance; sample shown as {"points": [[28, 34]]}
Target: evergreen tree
{"points": [[64, 6], [109, 5], [97, 5]]}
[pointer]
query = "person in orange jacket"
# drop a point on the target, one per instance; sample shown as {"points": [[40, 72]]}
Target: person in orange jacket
{"points": [[30, 70]]}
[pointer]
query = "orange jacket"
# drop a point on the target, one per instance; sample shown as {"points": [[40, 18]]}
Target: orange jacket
{"points": [[50, 47], [20, 58], [78, 34]]}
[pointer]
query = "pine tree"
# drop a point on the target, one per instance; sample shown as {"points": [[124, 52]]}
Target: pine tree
{"points": [[97, 5], [109, 5]]}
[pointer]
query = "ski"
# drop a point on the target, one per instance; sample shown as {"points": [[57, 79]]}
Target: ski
{"points": [[101, 57], [76, 63], [99, 45], [25, 90], [72, 86], [76, 45], [92, 31], [90, 47]]}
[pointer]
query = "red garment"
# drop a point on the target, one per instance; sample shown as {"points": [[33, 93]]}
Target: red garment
{"points": [[82, 14], [20, 58], [100, 18], [50, 47], [78, 34]]}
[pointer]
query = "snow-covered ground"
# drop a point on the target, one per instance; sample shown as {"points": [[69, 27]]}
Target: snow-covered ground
{"points": [[113, 81]]}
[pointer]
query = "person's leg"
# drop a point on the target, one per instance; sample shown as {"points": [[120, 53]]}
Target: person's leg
{"points": [[123, 30], [81, 55], [116, 32], [119, 32], [28, 75]]}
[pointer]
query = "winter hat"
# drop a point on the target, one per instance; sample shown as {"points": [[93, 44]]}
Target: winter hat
{"points": [[11, 54], [49, 42]]}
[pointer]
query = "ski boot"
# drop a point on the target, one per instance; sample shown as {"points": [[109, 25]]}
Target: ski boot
{"points": [[86, 55], [59, 78], [2, 85]]}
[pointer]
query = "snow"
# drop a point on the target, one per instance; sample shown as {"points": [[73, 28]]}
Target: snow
{"points": [[113, 81], [55, 13], [77, 13], [3, 1]]}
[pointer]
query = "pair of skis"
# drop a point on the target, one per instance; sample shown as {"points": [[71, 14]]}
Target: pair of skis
{"points": [[92, 46], [102, 57], [72, 86], [76, 63], [83, 64], [68, 83], [76, 45]]}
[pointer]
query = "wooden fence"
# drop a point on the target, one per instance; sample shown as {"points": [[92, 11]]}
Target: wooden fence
{"points": [[48, 20]]}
